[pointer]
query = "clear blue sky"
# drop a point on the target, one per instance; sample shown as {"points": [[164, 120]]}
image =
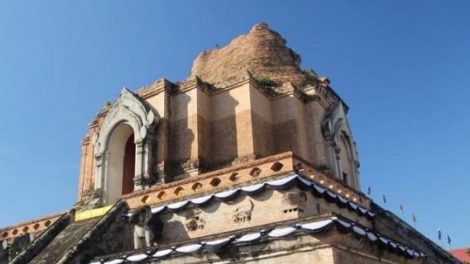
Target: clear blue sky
{"points": [[402, 66]]}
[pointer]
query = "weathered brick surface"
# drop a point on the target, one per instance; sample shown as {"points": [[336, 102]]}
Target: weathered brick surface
{"points": [[205, 127], [261, 51]]}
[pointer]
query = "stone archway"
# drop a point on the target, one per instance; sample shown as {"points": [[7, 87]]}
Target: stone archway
{"points": [[128, 117], [128, 166], [341, 148], [120, 163]]}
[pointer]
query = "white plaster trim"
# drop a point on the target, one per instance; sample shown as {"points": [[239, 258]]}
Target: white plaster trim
{"points": [[128, 109]]}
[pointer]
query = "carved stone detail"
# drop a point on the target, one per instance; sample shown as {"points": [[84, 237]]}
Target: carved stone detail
{"points": [[333, 124], [242, 213], [91, 198], [130, 110], [295, 197], [147, 227], [194, 220]]}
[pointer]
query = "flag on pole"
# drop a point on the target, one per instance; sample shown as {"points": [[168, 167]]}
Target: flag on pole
{"points": [[384, 199], [414, 218], [449, 240], [369, 190], [401, 207], [439, 234]]}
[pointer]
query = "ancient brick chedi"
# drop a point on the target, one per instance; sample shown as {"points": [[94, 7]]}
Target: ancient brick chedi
{"points": [[249, 160]]}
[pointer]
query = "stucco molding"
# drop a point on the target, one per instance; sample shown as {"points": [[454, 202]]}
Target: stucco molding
{"points": [[333, 125], [127, 109]]}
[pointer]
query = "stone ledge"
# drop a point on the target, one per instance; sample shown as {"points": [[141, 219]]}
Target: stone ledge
{"points": [[265, 247], [34, 227], [237, 176]]}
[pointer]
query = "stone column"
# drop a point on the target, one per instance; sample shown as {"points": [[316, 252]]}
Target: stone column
{"points": [[139, 165], [148, 173], [101, 175], [99, 171]]}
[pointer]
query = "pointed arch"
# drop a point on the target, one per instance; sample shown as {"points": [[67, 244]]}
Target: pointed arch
{"points": [[126, 111], [342, 151]]}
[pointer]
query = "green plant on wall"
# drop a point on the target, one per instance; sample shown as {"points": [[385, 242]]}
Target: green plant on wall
{"points": [[311, 73], [265, 81]]}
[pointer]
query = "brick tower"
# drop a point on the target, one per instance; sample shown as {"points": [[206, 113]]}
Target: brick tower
{"points": [[249, 160]]}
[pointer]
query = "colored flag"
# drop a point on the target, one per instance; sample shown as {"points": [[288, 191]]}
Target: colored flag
{"points": [[439, 234], [448, 239], [369, 191], [384, 199]]}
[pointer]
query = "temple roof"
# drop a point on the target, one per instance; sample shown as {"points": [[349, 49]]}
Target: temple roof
{"points": [[461, 254], [262, 52]]}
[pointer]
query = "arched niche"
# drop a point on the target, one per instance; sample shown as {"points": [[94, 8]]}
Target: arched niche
{"points": [[342, 152], [128, 124], [346, 158], [121, 162]]}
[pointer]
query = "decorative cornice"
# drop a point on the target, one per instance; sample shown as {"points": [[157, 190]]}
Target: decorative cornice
{"points": [[208, 88], [305, 97], [162, 85], [204, 86], [283, 182], [34, 227], [240, 175], [41, 241], [265, 234]]}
